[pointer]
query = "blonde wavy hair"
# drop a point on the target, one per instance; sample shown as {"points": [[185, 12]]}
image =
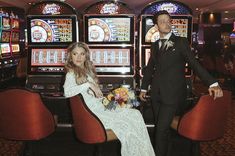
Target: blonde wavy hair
{"points": [[80, 73]]}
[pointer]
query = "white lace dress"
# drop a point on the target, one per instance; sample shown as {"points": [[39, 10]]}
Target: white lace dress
{"points": [[127, 124]]}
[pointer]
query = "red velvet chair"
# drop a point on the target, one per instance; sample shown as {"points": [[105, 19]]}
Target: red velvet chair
{"points": [[206, 120], [88, 128], [23, 116]]}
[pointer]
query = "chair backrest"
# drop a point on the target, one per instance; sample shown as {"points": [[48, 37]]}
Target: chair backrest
{"points": [[23, 116], [88, 127], [206, 120]]}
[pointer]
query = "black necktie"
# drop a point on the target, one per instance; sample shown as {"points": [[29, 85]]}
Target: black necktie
{"points": [[163, 41]]}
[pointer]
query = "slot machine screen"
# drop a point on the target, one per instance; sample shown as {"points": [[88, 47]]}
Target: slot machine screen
{"points": [[5, 49], [112, 60], [109, 29], [15, 24], [15, 36], [51, 29], [5, 36], [15, 48], [6, 23], [181, 26], [47, 59]]}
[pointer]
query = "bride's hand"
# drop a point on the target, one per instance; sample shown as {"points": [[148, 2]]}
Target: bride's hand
{"points": [[97, 91]]}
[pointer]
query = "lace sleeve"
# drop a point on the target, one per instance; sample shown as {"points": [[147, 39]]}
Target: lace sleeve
{"points": [[71, 88]]}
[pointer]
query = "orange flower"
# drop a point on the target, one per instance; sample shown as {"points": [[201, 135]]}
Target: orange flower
{"points": [[120, 97]]}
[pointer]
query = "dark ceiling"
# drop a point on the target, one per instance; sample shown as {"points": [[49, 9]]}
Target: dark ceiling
{"points": [[225, 7]]}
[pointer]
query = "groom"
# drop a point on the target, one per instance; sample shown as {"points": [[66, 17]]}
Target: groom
{"points": [[165, 73]]}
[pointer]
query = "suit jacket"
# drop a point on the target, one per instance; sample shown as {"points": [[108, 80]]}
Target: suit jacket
{"points": [[165, 71]]}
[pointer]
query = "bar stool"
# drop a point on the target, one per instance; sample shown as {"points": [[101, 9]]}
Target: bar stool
{"points": [[23, 116], [206, 120], [88, 128]]}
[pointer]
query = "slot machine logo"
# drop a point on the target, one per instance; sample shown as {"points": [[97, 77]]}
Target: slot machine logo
{"points": [[51, 9], [169, 7], [109, 9]]}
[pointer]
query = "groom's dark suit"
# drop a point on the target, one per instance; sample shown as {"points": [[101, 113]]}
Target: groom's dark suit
{"points": [[165, 73]]}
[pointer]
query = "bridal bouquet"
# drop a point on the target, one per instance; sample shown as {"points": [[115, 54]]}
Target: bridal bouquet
{"points": [[120, 97]]}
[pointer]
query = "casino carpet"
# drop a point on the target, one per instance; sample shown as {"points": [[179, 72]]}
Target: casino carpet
{"points": [[226, 145], [10, 148]]}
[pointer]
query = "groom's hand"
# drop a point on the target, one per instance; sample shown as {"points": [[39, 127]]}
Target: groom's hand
{"points": [[215, 91], [142, 96]]}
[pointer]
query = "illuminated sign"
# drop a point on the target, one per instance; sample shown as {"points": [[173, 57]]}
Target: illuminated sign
{"points": [[51, 9], [15, 48], [109, 9], [169, 7], [5, 48]]}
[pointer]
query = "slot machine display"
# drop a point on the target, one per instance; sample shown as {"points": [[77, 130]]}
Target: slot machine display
{"points": [[232, 35], [51, 27], [109, 32], [11, 41], [112, 60], [15, 35], [181, 26]]}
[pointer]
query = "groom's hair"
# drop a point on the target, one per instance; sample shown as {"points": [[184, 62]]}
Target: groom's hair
{"points": [[161, 12]]}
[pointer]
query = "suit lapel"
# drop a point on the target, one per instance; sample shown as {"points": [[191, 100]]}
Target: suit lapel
{"points": [[173, 40], [156, 50], [158, 53]]}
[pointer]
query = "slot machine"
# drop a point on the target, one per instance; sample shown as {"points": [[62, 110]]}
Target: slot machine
{"points": [[181, 26], [11, 41], [15, 34], [51, 27], [109, 32], [5, 35]]}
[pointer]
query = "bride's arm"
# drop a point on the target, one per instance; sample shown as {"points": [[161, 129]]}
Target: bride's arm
{"points": [[71, 88], [95, 88]]}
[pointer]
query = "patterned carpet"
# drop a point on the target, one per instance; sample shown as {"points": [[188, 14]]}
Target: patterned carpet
{"points": [[11, 148], [226, 145]]}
